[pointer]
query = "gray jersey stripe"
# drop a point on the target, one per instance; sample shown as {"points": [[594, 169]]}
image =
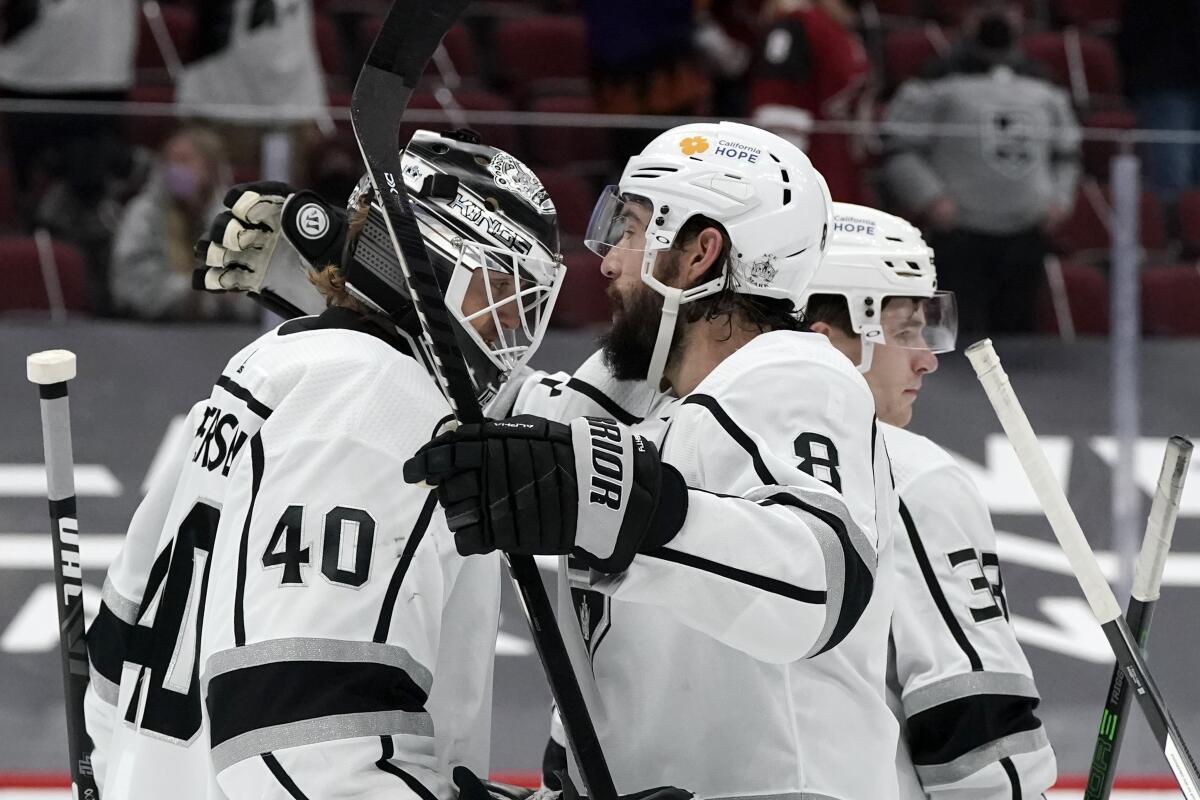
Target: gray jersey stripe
{"points": [[323, 729], [105, 689], [121, 606], [970, 763], [303, 649], [835, 580], [957, 687]]}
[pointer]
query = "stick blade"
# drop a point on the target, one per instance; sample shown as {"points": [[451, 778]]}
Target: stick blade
{"points": [[50, 366]]}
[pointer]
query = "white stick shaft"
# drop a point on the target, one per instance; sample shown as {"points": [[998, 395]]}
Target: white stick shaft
{"points": [[1160, 527], [1037, 469]]}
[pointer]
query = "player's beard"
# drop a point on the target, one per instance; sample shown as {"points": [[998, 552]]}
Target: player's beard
{"points": [[629, 344]]}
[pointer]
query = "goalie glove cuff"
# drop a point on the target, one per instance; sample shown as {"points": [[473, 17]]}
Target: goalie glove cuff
{"points": [[315, 228]]}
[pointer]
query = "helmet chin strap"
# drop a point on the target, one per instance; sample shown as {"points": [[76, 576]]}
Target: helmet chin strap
{"points": [[666, 333], [871, 335]]}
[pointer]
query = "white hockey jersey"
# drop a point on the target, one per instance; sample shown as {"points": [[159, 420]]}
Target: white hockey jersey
{"points": [[258, 54], [959, 682], [725, 662], [287, 617], [71, 46]]}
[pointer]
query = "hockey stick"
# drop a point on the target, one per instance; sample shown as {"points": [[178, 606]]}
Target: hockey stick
{"points": [[1083, 563], [50, 370], [1147, 578], [410, 33]]}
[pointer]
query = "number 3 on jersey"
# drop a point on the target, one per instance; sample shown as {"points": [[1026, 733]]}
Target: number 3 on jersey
{"points": [[819, 458], [349, 535]]}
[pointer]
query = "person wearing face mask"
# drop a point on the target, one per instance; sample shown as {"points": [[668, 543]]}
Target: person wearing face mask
{"points": [[958, 681], [152, 261], [986, 201]]}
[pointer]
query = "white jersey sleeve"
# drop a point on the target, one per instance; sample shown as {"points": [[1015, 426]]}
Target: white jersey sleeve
{"points": [[591, 391], [112, 631], [334, 594], [966, 690], [794, 479]]}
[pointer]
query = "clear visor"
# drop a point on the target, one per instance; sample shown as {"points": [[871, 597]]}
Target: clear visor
{"points": [[921, 323], [619, 220], [503, 300]]}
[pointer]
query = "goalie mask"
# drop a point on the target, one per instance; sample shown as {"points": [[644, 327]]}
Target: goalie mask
{"points": [[760, 188], [490, 230], [873, 257]]}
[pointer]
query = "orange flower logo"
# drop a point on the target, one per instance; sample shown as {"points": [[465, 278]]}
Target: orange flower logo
{"points": [[693, 145]]}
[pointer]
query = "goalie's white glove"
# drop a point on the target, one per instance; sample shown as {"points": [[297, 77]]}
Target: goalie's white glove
{"points": [[267, 242]]}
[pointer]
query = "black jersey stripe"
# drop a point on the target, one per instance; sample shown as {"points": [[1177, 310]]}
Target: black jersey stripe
{"points": [[384, 624], [257, 461], [279, 693], [1014, 778], [242, 393], [385, 764], [598, 397], [281, 775], [946, 732], [736, 433], [935, 591], [108, 640], [859, 582], [554, 761], [762, 582]]}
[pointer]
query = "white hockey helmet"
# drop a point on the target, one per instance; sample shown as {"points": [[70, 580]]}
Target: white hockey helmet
{"points": [[873, 256], [762, 189]]}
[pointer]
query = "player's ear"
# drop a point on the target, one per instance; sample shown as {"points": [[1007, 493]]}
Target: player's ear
{"points": [[822, 328], [704, 251]]}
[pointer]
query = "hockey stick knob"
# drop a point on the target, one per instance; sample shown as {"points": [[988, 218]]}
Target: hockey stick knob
{"points": [[50, 366]]}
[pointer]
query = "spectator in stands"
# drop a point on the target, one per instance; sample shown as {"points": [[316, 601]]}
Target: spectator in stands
{"points": [[65, 167], [152, 259], [725, 36], [988, 193], [65, 51], [644, 61], [1159, 45], [811, 65]]}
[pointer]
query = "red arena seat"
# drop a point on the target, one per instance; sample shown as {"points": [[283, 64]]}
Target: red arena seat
{"points": [[582, 300], [25, 276], [573, 200], [907, 50], [1082, 297], [542, 55], [1170, 299]]}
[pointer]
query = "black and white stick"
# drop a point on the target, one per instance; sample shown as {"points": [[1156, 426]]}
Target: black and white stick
{"points": [[1083, 563], [51, 370], [410, 33], [1147, 579]]}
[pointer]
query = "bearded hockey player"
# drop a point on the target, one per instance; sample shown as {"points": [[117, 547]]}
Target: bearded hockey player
{"points": [[731, 557], [958, 680], [287, 619]]}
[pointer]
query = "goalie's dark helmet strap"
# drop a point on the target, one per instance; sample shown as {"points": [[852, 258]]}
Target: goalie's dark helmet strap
{"points": [[463, 194]]}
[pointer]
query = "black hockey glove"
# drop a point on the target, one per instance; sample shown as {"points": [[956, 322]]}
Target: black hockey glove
{"points": [[530, 486], [470, 787], [267, 241]]}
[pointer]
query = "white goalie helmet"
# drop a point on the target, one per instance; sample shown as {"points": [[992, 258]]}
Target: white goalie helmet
{"points": [[761, 188], [874, 256]]}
